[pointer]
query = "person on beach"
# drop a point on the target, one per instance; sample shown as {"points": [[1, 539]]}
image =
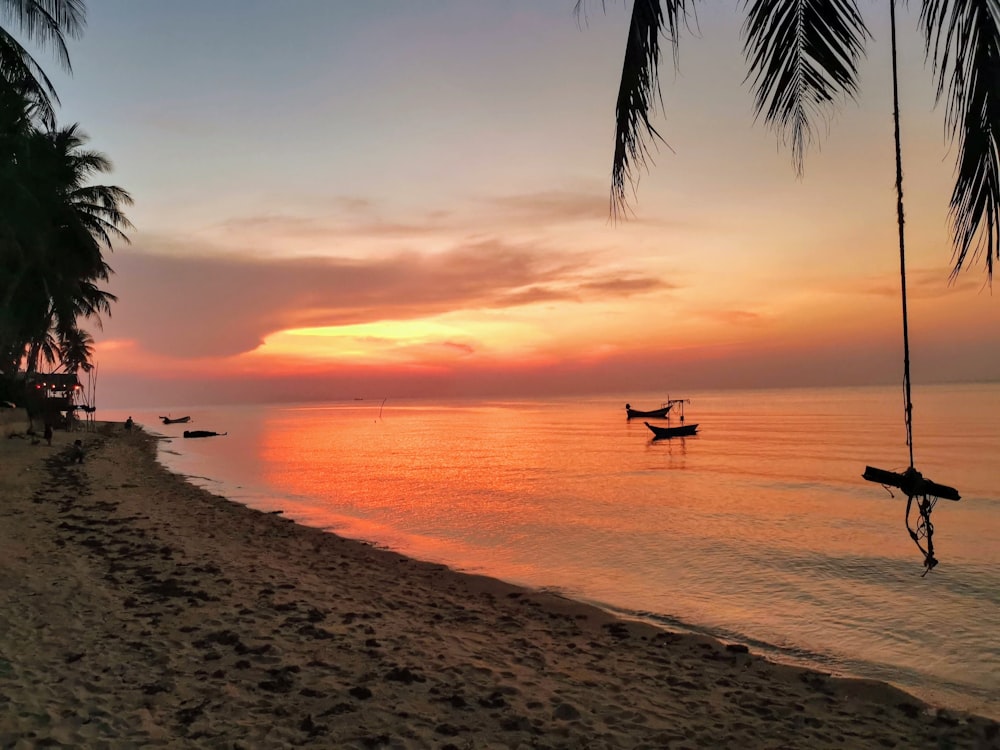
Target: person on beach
{"points": [[129, 423], [77, 453], [48, 434]]}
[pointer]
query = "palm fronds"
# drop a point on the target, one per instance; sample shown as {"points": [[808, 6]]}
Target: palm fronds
{"points": [[47, 22], [803, 55], [640, 89], [22, 77], [962, 38], [76, 349], [54, 230], [803, 58]]}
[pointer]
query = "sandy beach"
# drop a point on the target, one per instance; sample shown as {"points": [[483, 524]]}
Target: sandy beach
{"points": [[137, 610]]}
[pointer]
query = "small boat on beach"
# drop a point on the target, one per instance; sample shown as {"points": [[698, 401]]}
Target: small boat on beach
{"points": [[179, 420], [203, 433], [660, 413], [662, 433]]}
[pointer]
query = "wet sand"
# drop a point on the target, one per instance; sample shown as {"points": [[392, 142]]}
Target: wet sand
{"points": [[137, 610]]}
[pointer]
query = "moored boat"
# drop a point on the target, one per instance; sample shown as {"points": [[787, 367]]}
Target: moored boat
{"points": [[661, 433], [179, 420], [660, 413]]}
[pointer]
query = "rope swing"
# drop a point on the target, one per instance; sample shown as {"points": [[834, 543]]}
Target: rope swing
{"points": [[921, 494]]}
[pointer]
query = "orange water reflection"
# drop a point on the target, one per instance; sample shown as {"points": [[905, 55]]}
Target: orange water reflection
{"points": [[761, 522]]}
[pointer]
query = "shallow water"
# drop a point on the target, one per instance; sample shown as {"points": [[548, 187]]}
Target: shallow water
{"points": [[759, 529]]}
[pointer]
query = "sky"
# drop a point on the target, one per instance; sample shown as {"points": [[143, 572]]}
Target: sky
{"points": [[399, 199]]}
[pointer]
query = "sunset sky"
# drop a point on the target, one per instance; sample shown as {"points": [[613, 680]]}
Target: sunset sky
{"points": [[404, 199]]}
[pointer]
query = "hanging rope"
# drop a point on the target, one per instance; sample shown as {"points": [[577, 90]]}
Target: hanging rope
{"points": [[907, 398], [911, 482], [924, 528]]}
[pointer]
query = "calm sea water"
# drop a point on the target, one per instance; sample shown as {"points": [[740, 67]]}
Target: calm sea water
{"points": [[759, 529]]}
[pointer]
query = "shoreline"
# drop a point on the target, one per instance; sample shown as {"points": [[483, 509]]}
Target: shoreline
{"points": [[140, 610]]}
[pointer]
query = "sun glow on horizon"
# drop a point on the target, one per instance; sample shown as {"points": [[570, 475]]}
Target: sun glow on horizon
{"points": [[425, 340]]}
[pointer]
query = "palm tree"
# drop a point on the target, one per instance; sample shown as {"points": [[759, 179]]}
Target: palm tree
{"points": [[26, 97], [76, 350], [803, 58], [52, 262], [47, 22], [53, 227]]}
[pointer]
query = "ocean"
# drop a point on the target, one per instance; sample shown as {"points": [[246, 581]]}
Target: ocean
{"points": [[758, 530]]}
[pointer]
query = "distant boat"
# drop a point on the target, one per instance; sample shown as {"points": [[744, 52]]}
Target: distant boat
{"points": [[660, 413], [179, 420], [202, 433], [661, 433]]}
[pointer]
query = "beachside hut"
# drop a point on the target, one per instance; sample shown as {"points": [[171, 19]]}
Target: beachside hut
{"points": [[52, 396]]}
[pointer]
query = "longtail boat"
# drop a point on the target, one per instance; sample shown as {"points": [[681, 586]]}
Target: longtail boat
{"points": [[660, 413], [661, 433]]}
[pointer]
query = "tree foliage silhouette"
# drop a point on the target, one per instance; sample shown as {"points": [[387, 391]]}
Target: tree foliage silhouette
{"points": [[802, 58], [54, 225]]}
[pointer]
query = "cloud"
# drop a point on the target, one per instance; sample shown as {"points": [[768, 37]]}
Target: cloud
{"points": [[921, 283], [535, 294], [459, 347], [547, 207], [735, 317], [357, 217], [361, 217], [204, 304], [621, 373], [260, 229], [627, 285], [550, 206], [355, 204]]}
